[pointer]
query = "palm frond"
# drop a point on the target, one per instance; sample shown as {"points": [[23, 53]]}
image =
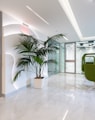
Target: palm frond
{"points": [[30, 38], [22, 62], [53, 45], [17, 75], [24, 46], [50, 61], [58, 36], [28, 44], [38, 59], [44, 51]]}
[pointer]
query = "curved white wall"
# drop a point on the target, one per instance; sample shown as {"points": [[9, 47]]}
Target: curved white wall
{"points": [[11, 31]]}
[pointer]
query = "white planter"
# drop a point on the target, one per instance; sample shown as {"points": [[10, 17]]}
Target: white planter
{"points": [[39, 83]]}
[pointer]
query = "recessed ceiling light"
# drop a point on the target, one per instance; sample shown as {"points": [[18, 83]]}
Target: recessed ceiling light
{"points": [[30, 9], [65, 37]]}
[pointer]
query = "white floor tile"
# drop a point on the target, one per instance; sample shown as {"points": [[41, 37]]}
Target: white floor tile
{"points": [[67, 97]]}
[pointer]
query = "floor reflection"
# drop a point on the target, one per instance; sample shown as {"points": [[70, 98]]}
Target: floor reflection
{"points": [[65, 97]]}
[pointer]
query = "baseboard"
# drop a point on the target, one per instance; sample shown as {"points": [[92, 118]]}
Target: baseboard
{"points": [[14, 92]]}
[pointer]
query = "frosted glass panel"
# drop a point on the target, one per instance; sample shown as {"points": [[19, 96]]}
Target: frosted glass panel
{"points": [[70, 67], [70, 51], [70, 57], [89, 59]]}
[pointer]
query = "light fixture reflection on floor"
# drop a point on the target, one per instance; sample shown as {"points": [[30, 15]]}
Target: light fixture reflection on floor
{"points": [[65, 114]]}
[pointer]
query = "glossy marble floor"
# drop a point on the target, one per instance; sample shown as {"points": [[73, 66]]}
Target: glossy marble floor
{"points": [[66, 97]]}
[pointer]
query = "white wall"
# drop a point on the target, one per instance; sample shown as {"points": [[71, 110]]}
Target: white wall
{"points": [[0, 53], [11, 29]]}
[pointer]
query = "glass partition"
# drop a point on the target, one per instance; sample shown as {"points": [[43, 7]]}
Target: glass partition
{"points": [[69, 56], [58, 55], [54, 68], [61, 57]]}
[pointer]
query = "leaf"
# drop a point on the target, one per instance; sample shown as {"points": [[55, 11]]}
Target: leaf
{"points": [[38, 59], [22, 62], [17, 74], [50, 61], [53, 38]]}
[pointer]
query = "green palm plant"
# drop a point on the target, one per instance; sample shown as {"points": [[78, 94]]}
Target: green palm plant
{"points": [[33, 52]]}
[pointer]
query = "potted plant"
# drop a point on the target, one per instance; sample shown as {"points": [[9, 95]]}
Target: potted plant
{"points": [[34, 52]]}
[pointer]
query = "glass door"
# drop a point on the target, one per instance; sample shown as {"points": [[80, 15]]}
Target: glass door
{"points": [[70, 59]]}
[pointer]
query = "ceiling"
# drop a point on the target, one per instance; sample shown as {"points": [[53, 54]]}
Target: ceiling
{"points": [[77, 24]]}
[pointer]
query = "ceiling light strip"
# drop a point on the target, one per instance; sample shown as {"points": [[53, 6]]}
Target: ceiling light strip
{"points": [[67, 8], [88, 38], [29, 8]]}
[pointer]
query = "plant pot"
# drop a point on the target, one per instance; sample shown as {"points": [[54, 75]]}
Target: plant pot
{"points": [[39, 82]]}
